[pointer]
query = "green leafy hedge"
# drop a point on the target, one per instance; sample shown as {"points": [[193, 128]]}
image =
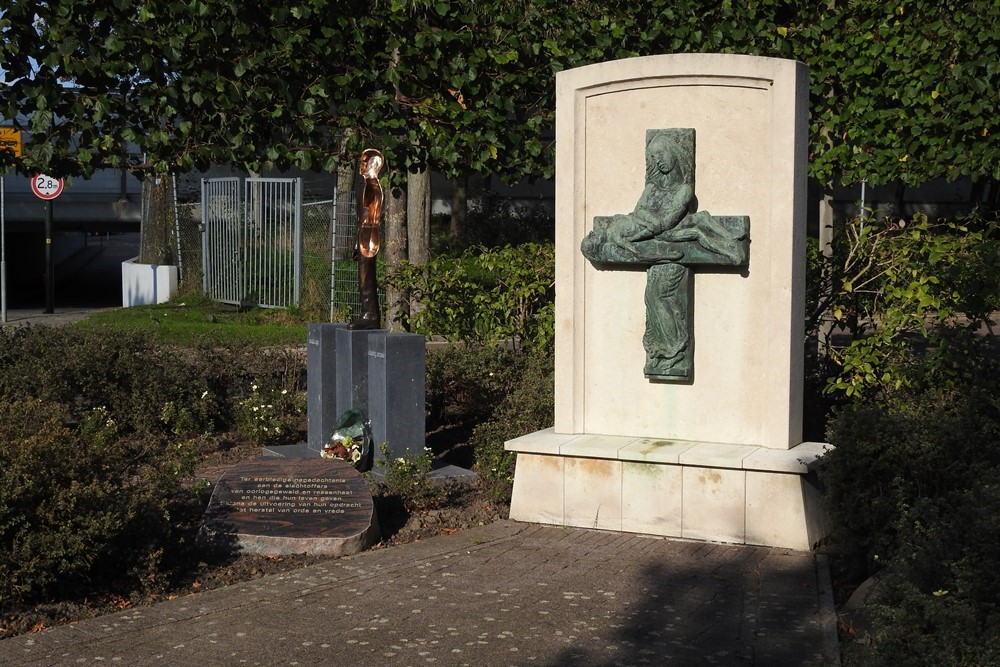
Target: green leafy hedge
{"points": [[485, 295], [913, 494], [81, 507], [152, 389]]}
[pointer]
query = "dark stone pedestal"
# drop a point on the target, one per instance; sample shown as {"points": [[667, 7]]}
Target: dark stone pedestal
{"points": [[377, 371], [321, 369], [353, 348], [396, 392]]}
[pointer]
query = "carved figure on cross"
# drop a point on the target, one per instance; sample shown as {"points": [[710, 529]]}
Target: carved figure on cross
{"points": [[668, 237]]}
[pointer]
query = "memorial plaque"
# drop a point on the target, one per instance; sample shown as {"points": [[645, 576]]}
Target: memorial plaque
{"points": [[278, 506]]}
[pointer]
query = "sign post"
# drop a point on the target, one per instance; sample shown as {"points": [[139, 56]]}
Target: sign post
{"points": [[48, 188], [10, 140], [3, 258]]}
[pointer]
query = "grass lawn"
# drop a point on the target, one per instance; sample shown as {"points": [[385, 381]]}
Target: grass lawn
{"points": [[199, 321]]}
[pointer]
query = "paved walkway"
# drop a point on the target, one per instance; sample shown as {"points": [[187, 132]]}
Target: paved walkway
{"points": [[500, 595], [38, 316]]}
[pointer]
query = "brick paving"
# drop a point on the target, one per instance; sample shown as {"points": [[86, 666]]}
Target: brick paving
{"points": [[504, 594]]}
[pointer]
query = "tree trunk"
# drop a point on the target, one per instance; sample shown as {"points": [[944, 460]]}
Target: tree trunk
{"points": [[344, 226], [396, 250], [156, 244], [418, 223], [459, 207], [418, 216]]}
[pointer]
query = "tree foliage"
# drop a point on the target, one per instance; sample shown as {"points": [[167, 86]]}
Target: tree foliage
{"points": [[902, 91], [899, 91]]}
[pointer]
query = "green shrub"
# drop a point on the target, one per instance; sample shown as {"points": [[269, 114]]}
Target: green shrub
{"points": [[938, 600], [900, 448], [527, 406], [127, 373], [912, 493], [266, 415], [485, 296], [466, 383], [81, 507], [903, 291], [408, 478], [491, 395], [150, 388]]}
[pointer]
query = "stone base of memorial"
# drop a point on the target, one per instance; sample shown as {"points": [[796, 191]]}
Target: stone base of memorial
{"points": [[676, 488], [377, 371], [276, 506]]}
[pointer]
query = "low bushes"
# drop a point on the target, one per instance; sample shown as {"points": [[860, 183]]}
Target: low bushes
{"points": [[485, 296], [99, 433], [911, 486], [496, 394], [151, 389], [527, 405], [81, 507], [913, 493]]}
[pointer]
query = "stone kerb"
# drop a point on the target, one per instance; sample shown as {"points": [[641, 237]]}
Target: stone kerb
{"points": [[749, 115]]}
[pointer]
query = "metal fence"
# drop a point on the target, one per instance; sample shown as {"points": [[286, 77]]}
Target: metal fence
{"points": [[252, 255], [345, 299], [222, 239], [263, 245]]}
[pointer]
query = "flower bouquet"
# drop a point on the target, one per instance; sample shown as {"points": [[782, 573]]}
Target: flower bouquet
{"points": [[345, 449], [351, 440]]}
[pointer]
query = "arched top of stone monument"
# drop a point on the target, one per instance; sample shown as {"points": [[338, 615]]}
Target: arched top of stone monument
{"points": [[709, 65]]}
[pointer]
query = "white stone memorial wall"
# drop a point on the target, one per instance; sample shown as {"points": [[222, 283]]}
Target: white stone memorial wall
{"points": [[750, 119]]}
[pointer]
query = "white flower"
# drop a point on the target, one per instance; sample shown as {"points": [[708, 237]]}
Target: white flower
{"points": [[204, 394]]}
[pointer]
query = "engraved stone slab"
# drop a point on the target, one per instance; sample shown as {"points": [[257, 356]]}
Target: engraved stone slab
{"points": [[277, 506]]}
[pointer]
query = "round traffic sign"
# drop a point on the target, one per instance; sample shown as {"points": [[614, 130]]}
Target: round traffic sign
{"points": [[46, 187]]}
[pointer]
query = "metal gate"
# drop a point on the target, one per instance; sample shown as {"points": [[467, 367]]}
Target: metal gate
{"points": [[252, 245]]}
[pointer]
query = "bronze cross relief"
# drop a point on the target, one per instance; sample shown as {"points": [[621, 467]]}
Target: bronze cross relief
{"points": [[664, 235]]}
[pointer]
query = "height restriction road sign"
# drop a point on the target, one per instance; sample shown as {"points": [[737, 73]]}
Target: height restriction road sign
{"points": [[46, 187]]}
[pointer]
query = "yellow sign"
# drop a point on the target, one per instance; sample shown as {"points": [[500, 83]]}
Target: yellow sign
{"points": [[10, 140]]}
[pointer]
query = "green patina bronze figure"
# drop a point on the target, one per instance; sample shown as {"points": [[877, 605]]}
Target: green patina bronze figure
{"points": [[667, 236]]}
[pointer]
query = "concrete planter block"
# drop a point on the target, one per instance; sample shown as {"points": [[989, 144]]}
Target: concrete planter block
{"points": [[143, 284]]}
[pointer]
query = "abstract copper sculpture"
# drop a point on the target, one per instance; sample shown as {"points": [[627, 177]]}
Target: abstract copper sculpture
{"points": [[368, 243]]}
